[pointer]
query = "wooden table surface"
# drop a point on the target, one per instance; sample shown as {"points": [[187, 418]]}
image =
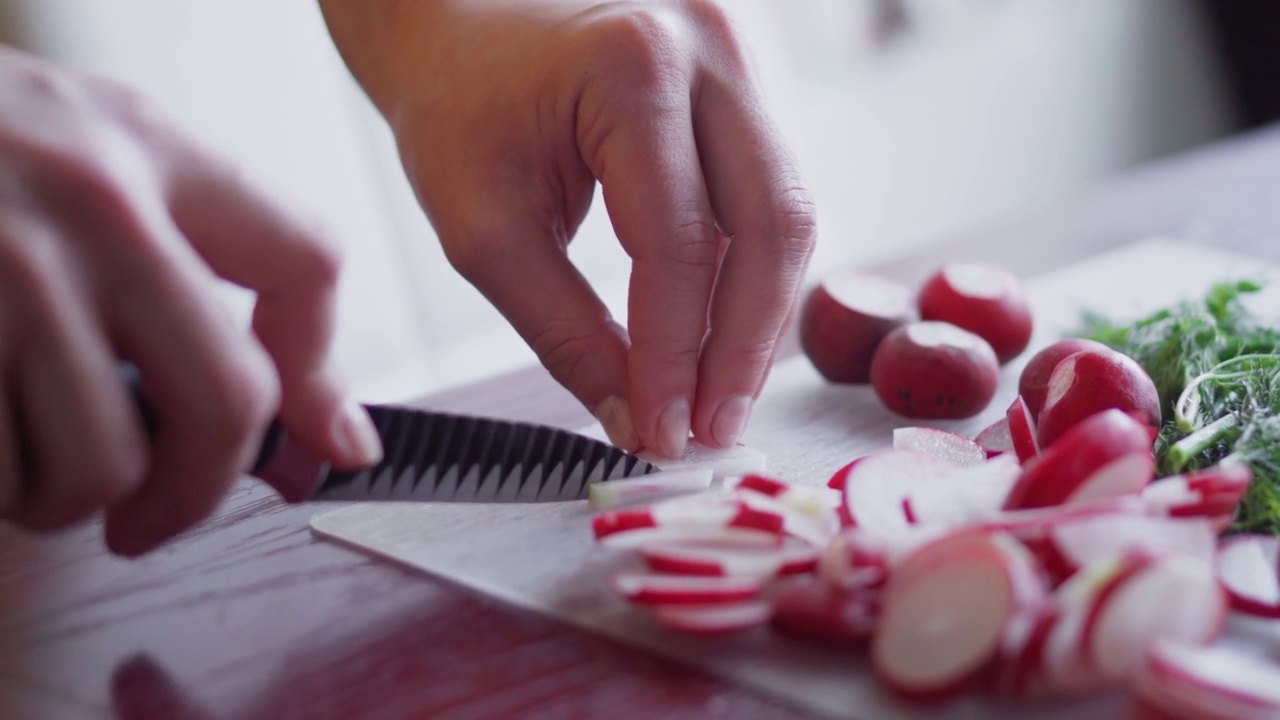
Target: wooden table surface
{"points": [[250, 617]]}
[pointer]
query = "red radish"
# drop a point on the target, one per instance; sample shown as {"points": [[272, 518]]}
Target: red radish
{"points": [[809, 609], [716, 619], [845, 318], [1033, 383], [995, 439], [817, 502], [648, 488], [816, 529], [793, 557], [952, 447], [1081, 541], [1249, 569], [876, 487], [1023, 656], [1196, 683], [983, 299], [1107, 455], [934, 370], [836, 482], [965, 495], [697, 518], [946, 612], [1022, 430], [859, 558], [1086, 383], [1213, 492], [651, 589]]}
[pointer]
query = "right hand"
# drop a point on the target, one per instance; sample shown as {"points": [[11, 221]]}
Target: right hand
{"points": [[113, 230]]}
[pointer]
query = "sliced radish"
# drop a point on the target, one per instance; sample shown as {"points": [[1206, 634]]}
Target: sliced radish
{"points": [[1086, 383], [1022, 430], [983, 299], [699, 517], [1081, 541], [965, 495], [812, 610], [947, 609], [996, 438], [1249, 569], [713, 619], [859, 558], [651, 589], [1197, 683], [952, 447], [1213, 492], [1033, 383], [845, 318], [816, 502], [876, 486], [793, 557], [648, 488], [1023, 654], [934, 370], [1107, 455], [815, 529], [724, 462]]}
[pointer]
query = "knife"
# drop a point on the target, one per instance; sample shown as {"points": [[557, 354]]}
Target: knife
{"points": [[431, 456]]}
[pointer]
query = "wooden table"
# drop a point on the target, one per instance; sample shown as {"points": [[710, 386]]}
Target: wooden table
{"points": [[249, 617]]}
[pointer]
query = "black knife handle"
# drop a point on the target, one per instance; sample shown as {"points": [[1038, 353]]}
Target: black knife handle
{"points": [[151, 420]]}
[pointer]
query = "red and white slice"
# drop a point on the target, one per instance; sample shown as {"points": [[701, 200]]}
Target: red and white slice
{"points": [[1022, 430], [877, 486], [1249, 569], [859, 558], [942, 444], [652, 589], [995, 439], [794, 556], [648, 488], [1213, 493], [965, 495], [721, 519], [817, 502], [812, 610], [1198, 683], [946, 612], [715, 619], [1081, 541]]}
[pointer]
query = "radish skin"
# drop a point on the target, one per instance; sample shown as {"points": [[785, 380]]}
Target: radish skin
{"points": [[1022, 430], [1033, 383], [1249, 570], [984, 299], [934, 370], [845, 318], [717, 619], [1193, 683], [1086, 383]]}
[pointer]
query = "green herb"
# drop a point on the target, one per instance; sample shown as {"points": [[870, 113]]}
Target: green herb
{"points": [[1216, 366]]}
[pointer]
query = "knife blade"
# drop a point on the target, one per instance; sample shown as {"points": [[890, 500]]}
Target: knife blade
{"points": [[431, 456]]}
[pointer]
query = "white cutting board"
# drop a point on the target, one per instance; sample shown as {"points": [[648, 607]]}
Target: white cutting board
{"points": [[543, 557]]}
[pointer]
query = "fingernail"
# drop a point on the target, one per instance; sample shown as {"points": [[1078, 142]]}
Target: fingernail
{"points": [[614, 414], [673, 428], [355, 435], [731, 420]]}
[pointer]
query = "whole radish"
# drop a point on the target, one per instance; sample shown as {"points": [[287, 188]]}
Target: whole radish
{"points": [[845, 318], [1086, 383], [934, 370], [1033, 384], [984, 299]]}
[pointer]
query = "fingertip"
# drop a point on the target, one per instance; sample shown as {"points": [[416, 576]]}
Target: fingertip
{"points": [[730, 421], [614, 414], [354, 436], [673, 429]]}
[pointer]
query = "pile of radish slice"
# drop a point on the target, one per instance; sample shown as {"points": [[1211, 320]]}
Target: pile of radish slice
{"points": [[985, 563]]}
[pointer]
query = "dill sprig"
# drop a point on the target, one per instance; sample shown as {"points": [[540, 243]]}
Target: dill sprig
{"points": [[1216, 366]]}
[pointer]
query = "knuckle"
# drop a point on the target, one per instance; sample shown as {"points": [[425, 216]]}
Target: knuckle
{"points": [[566, 350], [644, 49], [754, 355], [792, 219], [713, 21], [475, 249], [248, 394], [697, 246]]}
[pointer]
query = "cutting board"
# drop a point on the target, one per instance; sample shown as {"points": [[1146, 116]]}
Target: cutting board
{"points": [[542, 557]]}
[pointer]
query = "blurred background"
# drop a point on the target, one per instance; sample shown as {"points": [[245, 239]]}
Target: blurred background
{"points": [[913, 120]]}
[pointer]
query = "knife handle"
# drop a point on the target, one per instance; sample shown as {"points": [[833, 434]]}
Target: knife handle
{"points": [[271, 439]]}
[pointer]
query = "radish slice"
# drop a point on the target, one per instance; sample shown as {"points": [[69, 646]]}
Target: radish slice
{"points": [[1216, 682], [713, 619], [1212, 492], [695, 518], [858, 558], [689, 559], [1081, 541], [650, 589], [809, 609], [1022, 430], [947, 609], [816, 502], [839, 477], [1249, 569], [996, 438], [815, 530], [951, 447], [724, 462], [965, 495], [648, 488], [877, 485]]}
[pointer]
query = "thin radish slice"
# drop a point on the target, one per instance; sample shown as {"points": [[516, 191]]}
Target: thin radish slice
{"points": [[1084, 540], [1023, 654], [1249, 569], [815, 530], [838, 478], [951, 447], [996, 438], [876, 487], [648, 488], [1213, 492], [858, 558], [651, 589], [1022, 430], [947, 609], [965, 495], [1195, 683], [695, 518], [812, 610], [817, 502], [793, 557], [715, 619], [724, 462]]}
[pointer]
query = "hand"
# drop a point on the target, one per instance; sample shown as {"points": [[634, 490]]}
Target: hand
{"points": [[507, 113], [113, 229]]}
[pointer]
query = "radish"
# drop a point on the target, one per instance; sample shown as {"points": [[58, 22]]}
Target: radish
{"points": [[1033, 383], [1195, 683], [716, 619], [1213, 492], [858, 558], [934, 370], [793, 557], [724, 462], [1249, 569], [876, 487], [845, 318], [946, 612], [1022, 430], [1023, 655], [651, 589], [836, 482], [995, 439], [811, 610], [952, 447], [815, 529], [1107, 455], [983, 299], [697, 518], [1086, 383], [1084, 540], [648, 488], [965, 495], [816, 502]]}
